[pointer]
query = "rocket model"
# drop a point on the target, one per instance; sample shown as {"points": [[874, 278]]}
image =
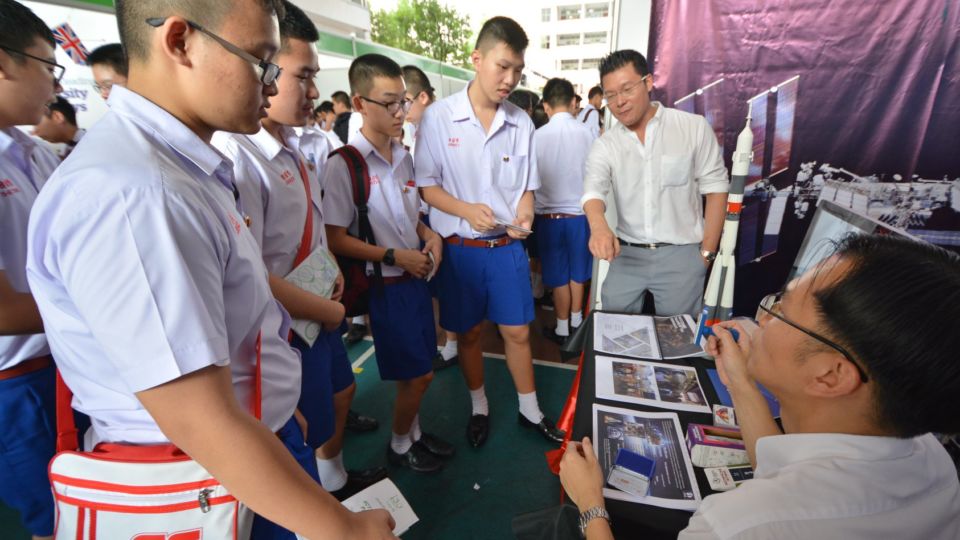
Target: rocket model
{"points": [[718, 298]]}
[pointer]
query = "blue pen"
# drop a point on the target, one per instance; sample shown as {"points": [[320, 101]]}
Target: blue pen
{"points": [[708, 331]]}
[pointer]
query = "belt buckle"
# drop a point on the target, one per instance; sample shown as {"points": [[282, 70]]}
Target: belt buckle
{"points": [[492, 243], [652, 246]]}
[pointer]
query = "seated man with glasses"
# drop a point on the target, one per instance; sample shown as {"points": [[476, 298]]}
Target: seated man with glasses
{"points": [[857, 351], [659, 163]]}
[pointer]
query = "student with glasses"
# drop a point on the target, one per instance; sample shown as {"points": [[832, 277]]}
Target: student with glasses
{"points": [[157, 301], [108, 64], [658, 162], [858, 352]]}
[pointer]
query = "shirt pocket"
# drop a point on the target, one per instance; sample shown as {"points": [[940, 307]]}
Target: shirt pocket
{"points": [[675, 169], [511, 172]]}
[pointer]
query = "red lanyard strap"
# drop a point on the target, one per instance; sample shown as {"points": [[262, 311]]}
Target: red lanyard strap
{"points": [[307, 240]]}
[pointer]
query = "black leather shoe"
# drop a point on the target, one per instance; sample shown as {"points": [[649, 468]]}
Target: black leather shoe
{"points": [[478, 428], [417, 459], [358, 481], [439, 363], [356, 333], [551, 334], [546, 427], [359, 423], [435, 445]]}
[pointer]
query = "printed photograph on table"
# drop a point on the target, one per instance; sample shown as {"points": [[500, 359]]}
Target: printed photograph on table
{"points": [[656, 436], [656, 385], [675, 336], [645, 337]]}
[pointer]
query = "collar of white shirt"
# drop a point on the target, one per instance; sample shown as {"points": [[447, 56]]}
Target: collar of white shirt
{"points": [[13, 140], [270, 146], [163, 125], [777, 452], [657, 119], [561, 117], [365, 147], [461, 109]]}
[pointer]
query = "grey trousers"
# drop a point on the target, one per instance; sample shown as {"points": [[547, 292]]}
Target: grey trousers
{"points": [[674, 274]]}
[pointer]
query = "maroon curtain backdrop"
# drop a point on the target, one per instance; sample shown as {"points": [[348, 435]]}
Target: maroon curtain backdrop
{"points": [[879, 89]]}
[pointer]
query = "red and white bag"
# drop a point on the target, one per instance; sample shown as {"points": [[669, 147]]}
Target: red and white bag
{"points": [[130, 492]]}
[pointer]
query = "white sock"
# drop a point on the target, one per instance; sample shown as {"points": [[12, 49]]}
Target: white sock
{"points": [[333, 475], [576, 319], [479, 399], [358, 320], [400, 443], [415, 432], [529, 407], [449, 349], [563, 327]]}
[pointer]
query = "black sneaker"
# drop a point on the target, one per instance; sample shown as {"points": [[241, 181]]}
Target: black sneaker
{"points": [[417, 459], [359, 423], [439, 363], [358, 481], [436, 446], [551, 334], [356, 333]]}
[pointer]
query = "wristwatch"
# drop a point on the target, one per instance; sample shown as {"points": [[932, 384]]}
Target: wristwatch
{"points": [[590, 515], [388, 258], [708, 255]]}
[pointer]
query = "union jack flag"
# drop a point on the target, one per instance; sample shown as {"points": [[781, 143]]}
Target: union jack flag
{"points": [[70, 43]]}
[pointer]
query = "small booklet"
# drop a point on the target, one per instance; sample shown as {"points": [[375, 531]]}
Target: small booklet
{"points": [[643, 336], [385, 494], [317, 274]]}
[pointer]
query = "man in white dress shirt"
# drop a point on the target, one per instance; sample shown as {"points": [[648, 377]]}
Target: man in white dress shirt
{"points": [[659, 163], [591, 116], [153, 290], [864, 373]]}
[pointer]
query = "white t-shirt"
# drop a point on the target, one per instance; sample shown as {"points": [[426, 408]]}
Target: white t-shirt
{"points": [[562, 148]]}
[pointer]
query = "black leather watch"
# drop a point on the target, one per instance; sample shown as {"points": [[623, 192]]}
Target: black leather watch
{"points": [[388, 258]]}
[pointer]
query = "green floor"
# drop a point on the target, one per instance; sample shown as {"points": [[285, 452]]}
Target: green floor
{"points": [[479, 491]]}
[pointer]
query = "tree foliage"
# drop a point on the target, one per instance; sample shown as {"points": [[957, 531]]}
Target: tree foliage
{"points": [[427, 28]]}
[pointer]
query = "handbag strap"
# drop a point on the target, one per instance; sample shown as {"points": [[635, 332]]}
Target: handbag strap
{"points": [[360, 179], [307, 240], [67, 436]]}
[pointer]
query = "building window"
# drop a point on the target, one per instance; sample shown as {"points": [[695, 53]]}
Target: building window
{"points": [[566, 13], [597, 11], [594, 37], [568, 39], [569, 65], [545, 14], [591, 63], [545, 42]]}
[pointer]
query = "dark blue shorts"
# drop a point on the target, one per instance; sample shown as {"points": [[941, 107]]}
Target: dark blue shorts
{"points": [[564, 250], [292, 437], [27, 444], [341, 370], [316, 390], [404, 334], [478, 283]]}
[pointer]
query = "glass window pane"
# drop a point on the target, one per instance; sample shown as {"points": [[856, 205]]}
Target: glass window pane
{"points": [[596, 11], [591, 63], [594, 37], [568, 65], [566, 13], [545, 15], [568, 39]]}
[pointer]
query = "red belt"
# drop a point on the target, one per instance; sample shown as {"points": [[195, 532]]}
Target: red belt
{"points": [[479, 242], [25, 367], [393, 280], [557, 216]]}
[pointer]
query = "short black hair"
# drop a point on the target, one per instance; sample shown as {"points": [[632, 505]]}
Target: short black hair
{"points": [[502, 30], [594, 92], [132, 14], [64, 107], [295, 24], [342, 98], [618, 59], [111, 55], [579, 98], [539, 116], [558, 92], [417, 81], [324, 107], [894, 310], [367, 67], [20, 28]]}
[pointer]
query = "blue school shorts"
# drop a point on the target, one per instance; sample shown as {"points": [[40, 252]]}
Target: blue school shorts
{"points": [[27, 444], [404, 333], [292, 437], [478, 283], [564, 250], [316, 389]]}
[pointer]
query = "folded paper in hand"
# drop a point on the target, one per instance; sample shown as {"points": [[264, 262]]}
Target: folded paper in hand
{"points": [[385, 494]]}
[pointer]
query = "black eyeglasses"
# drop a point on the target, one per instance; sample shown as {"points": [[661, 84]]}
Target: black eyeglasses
{"points": [[392, 107], [267, 72], [770, 305], [55, 69]]}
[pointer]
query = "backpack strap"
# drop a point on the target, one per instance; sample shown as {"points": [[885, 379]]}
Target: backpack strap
{"points": [[307, 239], [587, 115], [360, 178]]}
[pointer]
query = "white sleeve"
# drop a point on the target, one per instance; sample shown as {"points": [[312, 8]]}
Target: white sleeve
{"points": [[709, 170], [428, 164], [597, 173], [338, 207]]}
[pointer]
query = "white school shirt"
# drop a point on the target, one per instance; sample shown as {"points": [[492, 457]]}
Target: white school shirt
{"points": [[335, 141], [657, 186], [562, 147], [393, 205], [314, 147], [592, 123], [825, 486], [273, 184], [25, 166], [144, 272], [455, 153]]}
